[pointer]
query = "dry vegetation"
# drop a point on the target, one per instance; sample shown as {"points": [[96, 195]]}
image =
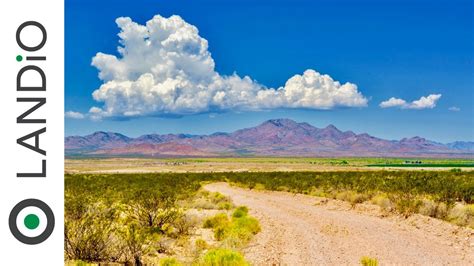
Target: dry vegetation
{"points": [[154, 211], [200, 165], [151, 220]]}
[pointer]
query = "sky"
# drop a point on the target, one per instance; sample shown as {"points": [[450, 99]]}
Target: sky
{"points": [[392, 69]]}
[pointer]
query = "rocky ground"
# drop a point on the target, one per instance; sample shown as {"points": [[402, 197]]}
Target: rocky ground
{"points": [[305, 230]]}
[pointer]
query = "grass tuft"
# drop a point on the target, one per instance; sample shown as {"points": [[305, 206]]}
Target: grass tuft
{"points": [[368, 261], [223, 257]]}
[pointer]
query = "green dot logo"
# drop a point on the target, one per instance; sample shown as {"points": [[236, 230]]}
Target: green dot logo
{"points": [[31, 221], [19, 58]]}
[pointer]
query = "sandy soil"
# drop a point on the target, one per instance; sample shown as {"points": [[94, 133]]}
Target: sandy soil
{"points": [[134, 165], [305, 230], [118, 165]]}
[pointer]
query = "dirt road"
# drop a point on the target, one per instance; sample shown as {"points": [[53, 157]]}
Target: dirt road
{"points": [[304, 230]]}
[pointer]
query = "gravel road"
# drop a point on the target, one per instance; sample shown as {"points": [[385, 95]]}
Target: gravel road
{"points": [[304, 230]]}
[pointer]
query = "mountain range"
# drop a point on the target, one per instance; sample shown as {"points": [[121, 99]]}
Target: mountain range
{"points": [[276, 137]]}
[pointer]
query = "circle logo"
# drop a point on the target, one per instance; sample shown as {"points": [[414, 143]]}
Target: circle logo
{"points": [[31, 221]]}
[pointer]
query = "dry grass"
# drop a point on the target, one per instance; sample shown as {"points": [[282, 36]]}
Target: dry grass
{"points": [[199, 165]]}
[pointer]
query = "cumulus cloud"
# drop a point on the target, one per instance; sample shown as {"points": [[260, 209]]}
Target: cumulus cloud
{"points": [[74, 115], [425, 102], [165, 68], [454, 109], [393, 102]]}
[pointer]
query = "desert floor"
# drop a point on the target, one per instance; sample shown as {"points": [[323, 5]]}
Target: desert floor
{"points": [[305, 230], [199, 165]]}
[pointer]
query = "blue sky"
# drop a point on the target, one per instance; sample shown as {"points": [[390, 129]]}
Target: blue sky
{"points": [[400, 49]]}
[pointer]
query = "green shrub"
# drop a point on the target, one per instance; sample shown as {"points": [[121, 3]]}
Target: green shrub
{"points": [[169, 262], [137, 242], [100, 206], [218, 198], [433, 209], [224, 206], [203, 203], [383, 202], [201, 244], [318, 192], [223, 257], [216, 221], [259, 187], [241, 228], [184, 224], [406, 203], [91, 238], [367, 261], [221, 232], [246, 223], [462, 215], [240, 212]]}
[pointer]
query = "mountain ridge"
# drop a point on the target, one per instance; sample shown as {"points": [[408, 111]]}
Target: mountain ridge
{"points": [[274, 137]]}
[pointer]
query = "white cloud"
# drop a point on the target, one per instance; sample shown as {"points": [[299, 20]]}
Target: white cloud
{"points": [[74, 115], [454, 109], [393, 102], [165, 68], [425, 102]]}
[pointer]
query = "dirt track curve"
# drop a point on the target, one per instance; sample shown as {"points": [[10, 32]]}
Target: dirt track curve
{"points": [[304, 230]]}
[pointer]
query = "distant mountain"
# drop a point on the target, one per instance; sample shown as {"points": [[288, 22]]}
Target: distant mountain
{"points": [[97, 140], [276, 137], [462, 145]]}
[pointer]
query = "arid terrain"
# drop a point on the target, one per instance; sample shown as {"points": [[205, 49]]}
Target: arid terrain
{"points": [[257, 164], [302, 211], [304, 230]]}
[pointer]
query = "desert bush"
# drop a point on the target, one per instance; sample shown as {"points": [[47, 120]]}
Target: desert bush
{"points": [[163, 245], [185, 223], [383, 202], [221, 232], [245, 228], [240, 212], [201, 244], [123, 217], [153, 208], [367, 261], [433, 209], [225, 206], [211, 200], [356, 198], [91, 238], [343, 195], [216, 221], [137, 242], [217, 198], [352, 197], [98, 205], [237, 231], [259, 187], [222, 257], [406, 204], [169, 262], [318, 192], [182, 241], [462, 215], [203, 203]]}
